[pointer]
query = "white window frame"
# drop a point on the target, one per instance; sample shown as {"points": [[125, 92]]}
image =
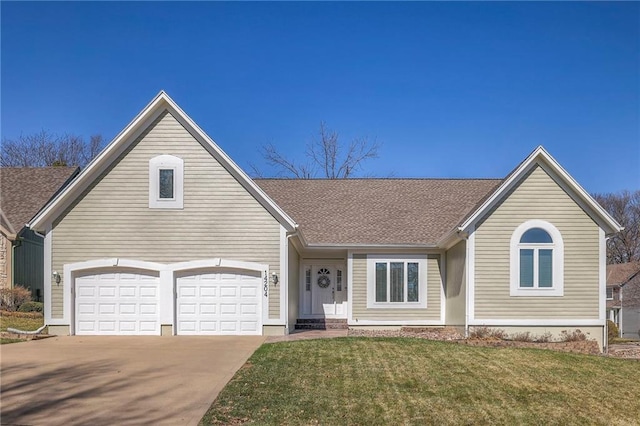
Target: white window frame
{"points": [[557, 288], [166, 162], [609, 289], [421, 260]]}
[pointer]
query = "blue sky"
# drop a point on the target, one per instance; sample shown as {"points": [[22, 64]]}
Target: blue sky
{"points": [[456, 89]]}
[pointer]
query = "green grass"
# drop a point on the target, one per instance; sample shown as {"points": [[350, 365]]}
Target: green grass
{"points": [[363, 381], [5, 341], [19, 322]]}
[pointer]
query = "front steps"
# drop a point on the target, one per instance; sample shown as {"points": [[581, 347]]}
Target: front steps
{"points": [[321, 324]]}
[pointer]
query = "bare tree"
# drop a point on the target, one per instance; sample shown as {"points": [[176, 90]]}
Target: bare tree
{"points": [[625, 208], [45, 149], [325, 156]]}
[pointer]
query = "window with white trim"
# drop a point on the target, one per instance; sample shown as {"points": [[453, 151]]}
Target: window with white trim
{"points": [[537, 260], [609, 293], [396, 281], [166, 186]]}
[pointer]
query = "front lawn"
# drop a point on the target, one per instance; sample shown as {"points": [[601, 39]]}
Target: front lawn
{"points": [[364, 381]]}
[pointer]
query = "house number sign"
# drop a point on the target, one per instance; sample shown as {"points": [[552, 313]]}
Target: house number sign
{"points": [[265, 280]]}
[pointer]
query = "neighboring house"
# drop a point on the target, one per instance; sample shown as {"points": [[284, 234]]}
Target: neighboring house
{"points": [[164, 234], [623, 298], [24, 191]]}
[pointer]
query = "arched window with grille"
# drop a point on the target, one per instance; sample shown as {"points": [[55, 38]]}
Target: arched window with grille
{"points": [[537, 260]]}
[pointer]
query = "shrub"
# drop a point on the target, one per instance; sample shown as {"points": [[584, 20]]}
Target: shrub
{"points": [[12, 298], [31, 307], [543, 338], [612, 331], [525, 336], [486, 333], [574, 336]]}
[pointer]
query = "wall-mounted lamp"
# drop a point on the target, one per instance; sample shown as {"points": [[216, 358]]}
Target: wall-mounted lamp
{"points": [[274, 278], [56, 277]]}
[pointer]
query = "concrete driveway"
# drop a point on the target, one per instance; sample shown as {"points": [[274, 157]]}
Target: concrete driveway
{"points": [[107, 380]]}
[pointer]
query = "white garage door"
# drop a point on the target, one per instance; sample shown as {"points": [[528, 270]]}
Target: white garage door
{"points": [[219, 303], [117, 303]]}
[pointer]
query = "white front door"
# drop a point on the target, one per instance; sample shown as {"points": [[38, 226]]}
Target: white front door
{"points": [[323, 291]]}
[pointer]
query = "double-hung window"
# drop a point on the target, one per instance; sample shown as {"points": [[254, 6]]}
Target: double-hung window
{"points": [[396, 281], [537, 260]]}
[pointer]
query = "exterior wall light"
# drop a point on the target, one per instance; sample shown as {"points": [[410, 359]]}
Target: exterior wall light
{"points": [[274, 278], [56, 277]]}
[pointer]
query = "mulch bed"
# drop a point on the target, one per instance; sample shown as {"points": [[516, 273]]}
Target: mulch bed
{"points": [[626, 351]]}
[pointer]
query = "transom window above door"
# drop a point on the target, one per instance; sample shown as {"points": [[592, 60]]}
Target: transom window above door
{"points": [[396, 282]]}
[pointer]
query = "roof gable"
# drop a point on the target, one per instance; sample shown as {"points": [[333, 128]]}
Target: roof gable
{"points": [[540, 157], [161, 103], [25, 190]]}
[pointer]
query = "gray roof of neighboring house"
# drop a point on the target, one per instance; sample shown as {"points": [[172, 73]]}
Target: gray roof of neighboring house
{"points": [[25, 190], [620, 273], [377, 211]]}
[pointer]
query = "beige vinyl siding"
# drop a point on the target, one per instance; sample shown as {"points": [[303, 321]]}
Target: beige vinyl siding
{"points": [[359, 294], [537, 197], [112, 217], [456, 288]]}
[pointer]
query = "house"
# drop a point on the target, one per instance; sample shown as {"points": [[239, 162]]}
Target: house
{"points": [[623, 298], [23, 192], [163, 234]]}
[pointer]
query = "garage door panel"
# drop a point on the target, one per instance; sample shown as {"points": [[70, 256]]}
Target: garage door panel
{"points": [[117, 303], [227, 291], [226, 303], [105, 308]]}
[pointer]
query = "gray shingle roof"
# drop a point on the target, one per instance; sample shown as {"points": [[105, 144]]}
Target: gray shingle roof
{"points": [[25, 190], [377, 211], [620, 273]]}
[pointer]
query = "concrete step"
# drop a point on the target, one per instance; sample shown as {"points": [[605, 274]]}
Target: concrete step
{"points": [[321, 324]]}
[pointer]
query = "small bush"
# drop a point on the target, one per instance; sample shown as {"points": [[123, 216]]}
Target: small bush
{"points": [[31, 307], [543, 338], [574, 336], [612, 331], [525, 336], [12, 298], [486, 333]]}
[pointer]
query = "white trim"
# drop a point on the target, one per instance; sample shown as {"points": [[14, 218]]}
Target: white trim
{"points": [[48, 272], [557, 288], [283, 282], [443, 283], [349, 287], [216, 263], [160, 103], [602, 276], [537, 322], [395, 322], [421, 259], [166, 162], [536, 157], [471, 276]]}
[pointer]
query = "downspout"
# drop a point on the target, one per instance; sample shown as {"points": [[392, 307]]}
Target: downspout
{"points": [[465, 237]]}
